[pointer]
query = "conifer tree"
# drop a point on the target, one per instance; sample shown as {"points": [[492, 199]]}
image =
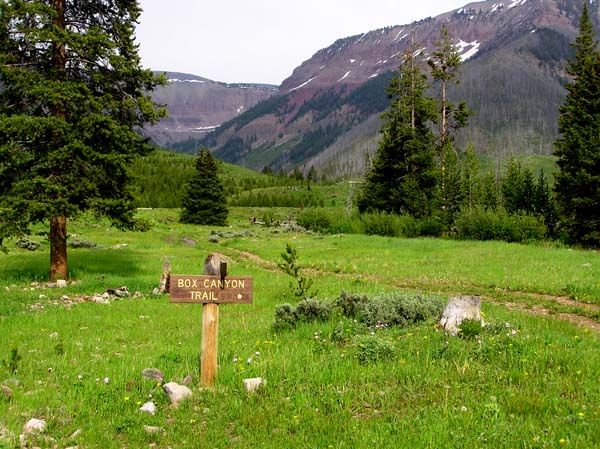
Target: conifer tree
{"points": [[444, 63], [578, 147], [470, 178], [73, 93], [402, 179], [204, 201], [543, 203]]}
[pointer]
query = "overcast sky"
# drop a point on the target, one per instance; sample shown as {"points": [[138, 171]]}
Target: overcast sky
{"points": [[261, 41]]}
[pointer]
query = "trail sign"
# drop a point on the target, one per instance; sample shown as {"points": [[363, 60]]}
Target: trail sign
{"points": [[211, 289]]}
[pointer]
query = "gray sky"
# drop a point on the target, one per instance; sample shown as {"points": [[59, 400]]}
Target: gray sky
{"points": [[261, 41]]}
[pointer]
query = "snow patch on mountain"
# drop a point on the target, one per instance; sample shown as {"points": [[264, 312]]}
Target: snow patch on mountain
{"points": [[303, 84]]}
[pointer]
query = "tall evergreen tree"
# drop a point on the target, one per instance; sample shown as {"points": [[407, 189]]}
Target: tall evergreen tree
{"points": [[204, 201], [444, 63], [402, 178], [470, 185], [73, 93], [578, 147]]}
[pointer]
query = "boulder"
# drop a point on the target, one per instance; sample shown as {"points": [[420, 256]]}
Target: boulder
{"points": [[148, 407], [254, 384], [176, 392], [457, 310], [34, 426]]}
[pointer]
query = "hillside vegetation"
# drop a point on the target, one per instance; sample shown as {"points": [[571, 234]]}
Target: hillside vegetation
{"points": [[523, 381]]}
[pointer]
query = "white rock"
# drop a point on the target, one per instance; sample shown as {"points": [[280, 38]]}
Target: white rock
{"points": [[34, 426], [176, 392], [98, 299], [75, 434], [148, 407], [457, 310], [252, 385], [61, 283], [152, 429]]}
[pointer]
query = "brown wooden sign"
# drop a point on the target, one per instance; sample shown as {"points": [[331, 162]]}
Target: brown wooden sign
{"points": [[211, 289]]}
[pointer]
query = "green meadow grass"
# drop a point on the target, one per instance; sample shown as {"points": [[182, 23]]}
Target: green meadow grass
{"points": [[531, 384]]}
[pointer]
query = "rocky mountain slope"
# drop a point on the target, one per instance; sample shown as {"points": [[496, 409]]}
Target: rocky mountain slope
{"points": [[326, 112], [198, 105]]}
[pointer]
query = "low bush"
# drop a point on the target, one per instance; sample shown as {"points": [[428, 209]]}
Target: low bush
{"points": [[394, 309], [372, 349], [480, 224], [328, 221]]}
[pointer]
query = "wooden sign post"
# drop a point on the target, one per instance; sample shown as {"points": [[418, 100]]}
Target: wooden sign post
{"points": [[210, 290]]}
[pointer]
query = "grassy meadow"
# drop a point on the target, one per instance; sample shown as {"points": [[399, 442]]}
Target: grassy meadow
{"points": [[530, 380]]}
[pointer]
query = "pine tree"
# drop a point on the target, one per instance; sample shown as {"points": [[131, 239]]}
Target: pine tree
{"points": [[402, 179], [444, 63], [578, 147], [204, 202], [470, 185], [512, 187], [543, 203], [73, 93]]}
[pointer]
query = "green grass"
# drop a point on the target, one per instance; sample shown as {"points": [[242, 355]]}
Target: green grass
{"points": [[534, 389]]}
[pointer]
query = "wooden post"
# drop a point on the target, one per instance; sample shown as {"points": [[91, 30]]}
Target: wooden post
{"points": [[213, 265]]}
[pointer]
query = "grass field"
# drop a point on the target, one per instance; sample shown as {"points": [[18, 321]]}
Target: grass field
{"points": [[531, 381]]}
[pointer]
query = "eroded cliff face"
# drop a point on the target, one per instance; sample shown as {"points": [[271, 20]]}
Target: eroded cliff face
{"points": [[198, 105]]}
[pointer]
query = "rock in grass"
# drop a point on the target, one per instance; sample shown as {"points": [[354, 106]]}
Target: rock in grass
{"points": [[34, 426], [176, 392], [61, 283], [153, 373], [457, 310], [6, 393], [254, 384], [152, 429], [149, 408]]}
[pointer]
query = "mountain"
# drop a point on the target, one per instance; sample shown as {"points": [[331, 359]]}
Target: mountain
{"points": [[198, 105], [327, 112]]}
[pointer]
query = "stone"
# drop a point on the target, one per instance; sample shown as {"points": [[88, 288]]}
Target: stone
{"points": [[254, 384], [457, 310], [153, 373], [75, 434], [156, 291], [188, 241], [6, 393], [99, 299], [176, 392], [148, 407], [122, 292], [151, 430], [187, 380], [34, 426], [61, 283]]}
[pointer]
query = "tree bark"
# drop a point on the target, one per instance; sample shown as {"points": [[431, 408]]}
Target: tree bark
{"points": [[58, 248], [58, 222]]}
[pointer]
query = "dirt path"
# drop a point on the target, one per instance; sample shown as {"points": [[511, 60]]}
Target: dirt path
{"points": [[515, 304]]}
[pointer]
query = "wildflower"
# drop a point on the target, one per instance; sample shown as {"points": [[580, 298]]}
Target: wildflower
{"points": [[463, 409], [581, 414], [562, 441], [235, 359], [249, 361], [126, 398]]}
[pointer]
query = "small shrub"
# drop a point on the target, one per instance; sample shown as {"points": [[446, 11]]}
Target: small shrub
{"points": [[314, 220], [399, 310], [350, 304], [285, 317], [372, 349], [12, 364], [311, 310], [308, 311], [290, 266], [268, 218], [430, 227], [470, 329]]}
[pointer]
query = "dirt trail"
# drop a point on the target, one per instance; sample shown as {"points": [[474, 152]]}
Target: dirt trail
{"points": [[577, 319]]}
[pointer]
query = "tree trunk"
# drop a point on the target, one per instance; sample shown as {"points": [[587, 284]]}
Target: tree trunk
{"points": [[58, 222], [58, 248]]}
